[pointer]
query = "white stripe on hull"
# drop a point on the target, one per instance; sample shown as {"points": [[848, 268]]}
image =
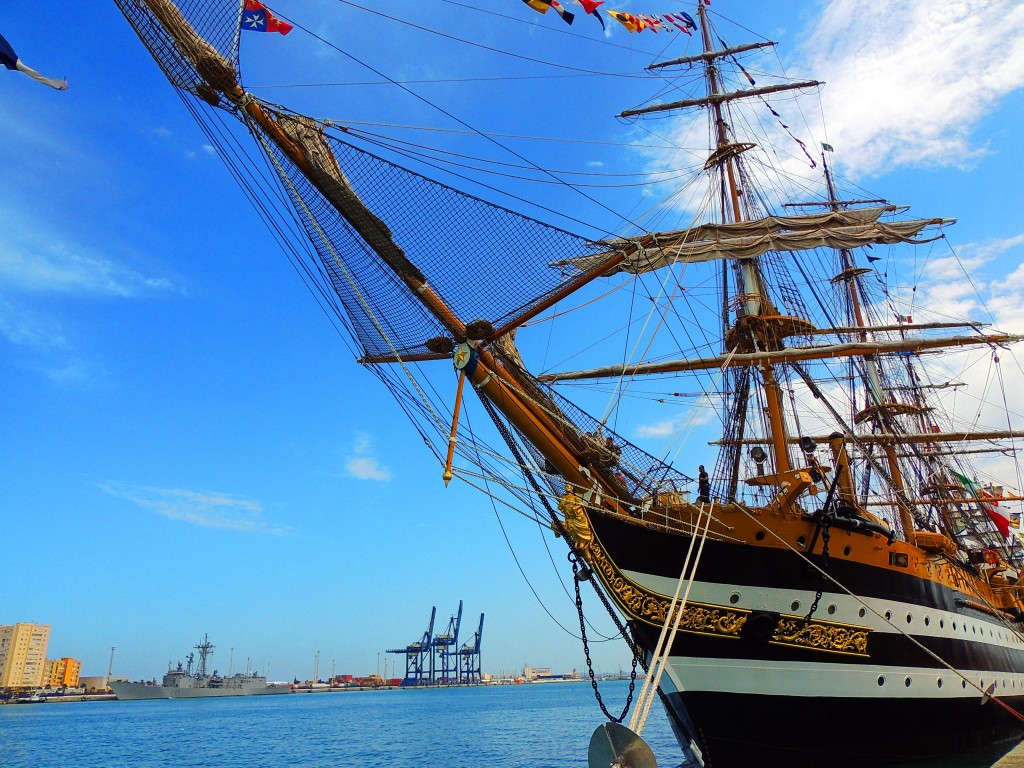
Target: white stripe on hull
{"points": [[902, 617], [823, 679]]}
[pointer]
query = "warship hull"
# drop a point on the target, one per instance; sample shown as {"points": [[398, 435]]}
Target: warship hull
{"points": [[138, 691]]}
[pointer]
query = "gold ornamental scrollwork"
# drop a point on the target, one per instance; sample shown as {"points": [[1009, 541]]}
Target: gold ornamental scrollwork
{"points": [[837, 638], [699, 618]]}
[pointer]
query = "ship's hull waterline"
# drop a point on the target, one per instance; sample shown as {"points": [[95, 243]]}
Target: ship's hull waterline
{"points": [[758, 686], [140, 691]]}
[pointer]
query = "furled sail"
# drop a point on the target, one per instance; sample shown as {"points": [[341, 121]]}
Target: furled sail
{"points": [[749, 239]]}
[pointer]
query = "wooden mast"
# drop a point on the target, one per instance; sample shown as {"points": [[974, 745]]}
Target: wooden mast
{"points": [[874, 379], [751, 276]]}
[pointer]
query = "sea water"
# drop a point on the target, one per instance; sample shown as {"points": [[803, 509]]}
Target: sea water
{"points": [[509, 726]]}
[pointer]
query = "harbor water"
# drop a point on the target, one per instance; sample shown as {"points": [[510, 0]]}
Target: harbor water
{"points": [[513, 726]]}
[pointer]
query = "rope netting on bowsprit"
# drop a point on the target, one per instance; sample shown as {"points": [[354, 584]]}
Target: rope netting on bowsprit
{"points": [[195, 42], [485, 262], [379, 231]]}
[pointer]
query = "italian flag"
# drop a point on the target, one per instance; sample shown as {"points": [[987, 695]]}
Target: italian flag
{"points": [[988, 503]]}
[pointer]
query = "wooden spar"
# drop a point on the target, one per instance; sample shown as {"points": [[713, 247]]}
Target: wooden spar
{"points": [[557, 296], [319, 166], [709, 56], [786, 355], [962, 500], [419, 357], [928, 437], [447, 475], [957, 452], [720, 98], [887, 328], [833, 203]]}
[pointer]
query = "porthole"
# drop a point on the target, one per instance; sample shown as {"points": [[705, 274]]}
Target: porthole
{"points": [[795, 605], [906, 682], [759, 536], [881, 679], [910, 618], [847, 550], [862, 613], [963, 683], [734, 598], [927, 621], [801, 541], [954, 626], [938, 682], [974, 630], [888, 615], [831, 609], [942, 623]]}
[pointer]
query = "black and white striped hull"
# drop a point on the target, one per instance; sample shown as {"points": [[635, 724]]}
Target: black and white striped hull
{"points": [[753, 701]]}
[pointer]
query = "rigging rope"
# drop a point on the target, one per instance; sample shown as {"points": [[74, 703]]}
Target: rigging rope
{"points": [[674, 616]]}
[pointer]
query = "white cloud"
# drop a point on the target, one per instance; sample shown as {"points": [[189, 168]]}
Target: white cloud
{"points": [[35, 261], [658, 429], [361, 464], [29, 265], [74, 370], [21, 327], [205, 509], [907, 84]]}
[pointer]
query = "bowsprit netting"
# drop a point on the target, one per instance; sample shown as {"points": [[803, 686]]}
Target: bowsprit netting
{"points": [[217, 23], [484, 261], [374, 224]]}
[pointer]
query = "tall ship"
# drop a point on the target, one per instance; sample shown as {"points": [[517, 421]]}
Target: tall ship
{"points": [[841, 586], [184, 682]]}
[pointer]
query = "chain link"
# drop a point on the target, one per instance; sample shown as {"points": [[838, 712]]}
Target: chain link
{"points": [[824, 565], [586, 652]]}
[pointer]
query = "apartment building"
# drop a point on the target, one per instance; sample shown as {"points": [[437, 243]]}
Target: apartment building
{"points": [[62, 673], [23, 655]]}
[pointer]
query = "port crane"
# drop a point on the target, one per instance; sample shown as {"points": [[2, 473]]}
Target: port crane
{"points": [[446, 647], [419, 656]]}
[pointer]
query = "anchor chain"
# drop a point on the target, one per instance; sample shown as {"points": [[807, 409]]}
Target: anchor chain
{"points": [[638, 657], [586, 645], [574, 558], [823, 522]]}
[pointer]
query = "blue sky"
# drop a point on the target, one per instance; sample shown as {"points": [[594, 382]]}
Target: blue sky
{"points": [[188, 446]]}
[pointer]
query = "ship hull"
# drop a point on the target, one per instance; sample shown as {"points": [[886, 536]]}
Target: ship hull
{"points": [[886, 676], [140, 691]]}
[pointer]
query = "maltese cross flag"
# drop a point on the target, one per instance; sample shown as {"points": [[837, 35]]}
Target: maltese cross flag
{"points": [[256, 18]]}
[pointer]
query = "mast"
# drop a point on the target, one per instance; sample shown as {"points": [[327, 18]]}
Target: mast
{"points": [[750, 276], [848, 277], [205, 649]]}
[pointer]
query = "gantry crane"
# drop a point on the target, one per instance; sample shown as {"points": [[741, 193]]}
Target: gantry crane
{"points": [[469, 657], [419, 657], [446, 646]]}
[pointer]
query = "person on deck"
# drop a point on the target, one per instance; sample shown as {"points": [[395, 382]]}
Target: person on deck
{"points": [[703, 487]]}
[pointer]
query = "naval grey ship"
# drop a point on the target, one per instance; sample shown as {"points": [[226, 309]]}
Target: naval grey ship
{"points": [[183, 683]]}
